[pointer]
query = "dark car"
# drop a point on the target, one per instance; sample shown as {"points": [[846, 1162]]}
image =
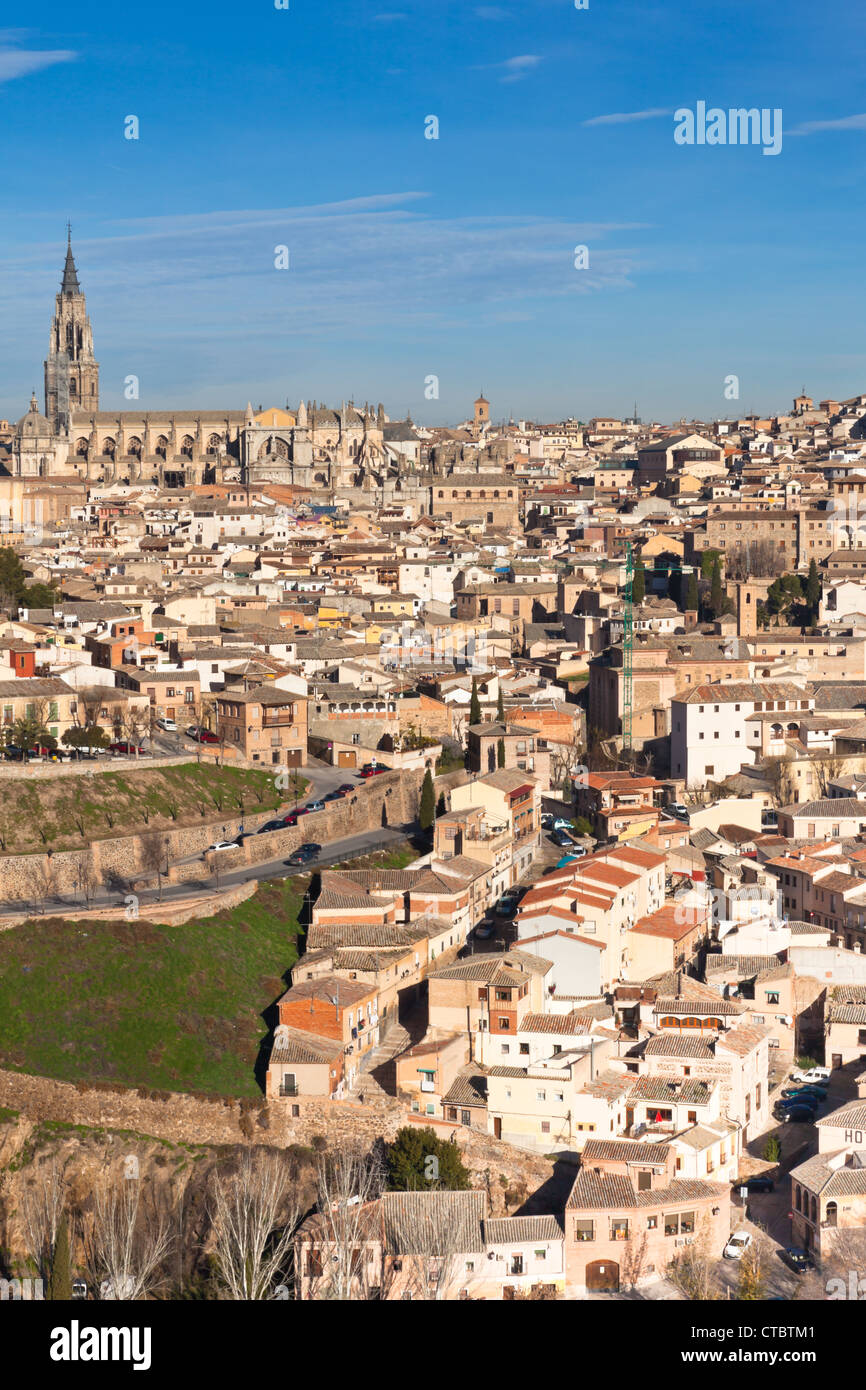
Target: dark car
{"points": [[334, 796], [796, 1101], [798, 1114], [304, 854], [796, 1093], [797, 1259], [757, 1184], [564, 840], [271, 825], [125, 748], [346, 787], [13, 753]]}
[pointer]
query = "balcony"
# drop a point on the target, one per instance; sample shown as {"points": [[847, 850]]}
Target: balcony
{"points": [[279, 719], [288, 1088]]}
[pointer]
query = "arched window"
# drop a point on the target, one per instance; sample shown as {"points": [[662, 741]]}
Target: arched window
{"points": [[134, 447], [81, 448], [109, 447], [797, 1206], [832, 1211], [814, 1209], [187, 444], [162, 447]]}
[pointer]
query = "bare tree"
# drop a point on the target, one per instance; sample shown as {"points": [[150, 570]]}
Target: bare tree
{"points": [[565, 760], [130, 1239], [342, 1243], [827, 769], [86, 877], [255, 1212], [134, 723], [633, 1260], [779, 778], [153, 857], [43, 1198], [46, 882], [693, 1271]]}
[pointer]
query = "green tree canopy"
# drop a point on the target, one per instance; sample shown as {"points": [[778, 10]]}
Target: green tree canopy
{"points": [[419, 1159], [692, 600]]}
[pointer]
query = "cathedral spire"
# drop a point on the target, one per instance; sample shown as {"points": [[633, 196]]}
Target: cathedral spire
{"points": [[70, 283]]}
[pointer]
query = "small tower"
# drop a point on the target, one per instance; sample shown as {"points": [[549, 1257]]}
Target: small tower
{"points": [[71, 370], [482, 414]]}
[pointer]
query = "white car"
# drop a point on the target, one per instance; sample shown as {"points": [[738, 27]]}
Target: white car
{"points": [[168, 725], [223, 844], [814, 1074], [737, 1245]]}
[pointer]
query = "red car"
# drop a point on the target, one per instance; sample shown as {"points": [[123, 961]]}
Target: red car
{"points": [[373, 771], [124, 748], [346, 787], [202, 735], [292, 817]]}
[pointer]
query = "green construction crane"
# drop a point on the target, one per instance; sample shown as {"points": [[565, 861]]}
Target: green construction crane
{"points": [[627, 650]]}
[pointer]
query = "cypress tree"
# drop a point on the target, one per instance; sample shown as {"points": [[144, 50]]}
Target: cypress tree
{"points": [[474, 704], [60, 1278], [427, 808], [716, 595], [813, 591], [500, 707], [692, 600], [500, 753]]}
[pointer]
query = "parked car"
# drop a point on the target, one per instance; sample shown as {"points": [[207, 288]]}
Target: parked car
{"points": [[561, 823], [484, 931], [506, 905], [336, 795], [293, 817], [815, 1089], [798, 1114], [271, 825], [12, 753], [169, 725], [371, 771], [315, 806], [547, 821], [797, 1259], [346, 787], [782, 1107], [759, 1183], [813, 1074], [222, 844], [202, 735], [563, 839], [677, 809], [124, 747], [737, 1245]]}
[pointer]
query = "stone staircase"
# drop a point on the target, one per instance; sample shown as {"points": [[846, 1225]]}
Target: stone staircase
{"points": [[378, 1070]]}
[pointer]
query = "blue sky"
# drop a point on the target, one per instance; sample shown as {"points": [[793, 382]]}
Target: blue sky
{"points": [[455, 257]]}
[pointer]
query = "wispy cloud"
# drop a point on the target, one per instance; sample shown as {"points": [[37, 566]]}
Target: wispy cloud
{"points": [[839, 123], [512, 69], [19, 62], [379, 265], [624, 117]]}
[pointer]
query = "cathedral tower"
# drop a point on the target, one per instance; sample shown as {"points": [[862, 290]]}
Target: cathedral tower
{"points": [[71, 370]]}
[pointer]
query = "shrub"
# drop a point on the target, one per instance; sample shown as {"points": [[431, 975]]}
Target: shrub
{"points": [[772, 1150], [319, 1143]]}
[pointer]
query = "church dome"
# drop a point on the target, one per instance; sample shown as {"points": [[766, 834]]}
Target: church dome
{"points": [[33, 424]]}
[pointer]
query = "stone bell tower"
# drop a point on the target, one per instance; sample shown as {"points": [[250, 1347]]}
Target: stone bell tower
{"points": [[71, 370]]}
